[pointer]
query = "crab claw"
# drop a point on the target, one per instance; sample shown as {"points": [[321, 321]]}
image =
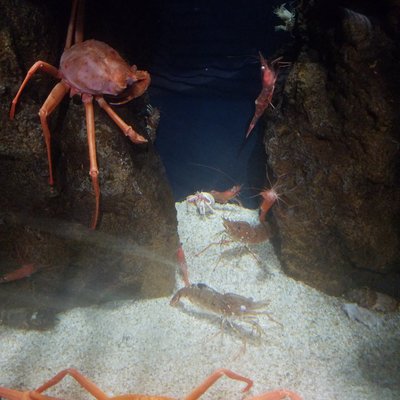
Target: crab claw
{"points": [[134, 136], [141, 81]]}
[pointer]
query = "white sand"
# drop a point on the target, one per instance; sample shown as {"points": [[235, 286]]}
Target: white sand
{"points": [[153, 348]]}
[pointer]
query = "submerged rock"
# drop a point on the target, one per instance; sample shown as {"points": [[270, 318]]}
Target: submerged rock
{"points": [[333, 143]]}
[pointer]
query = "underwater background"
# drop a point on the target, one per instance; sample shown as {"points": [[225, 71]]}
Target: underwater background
{"points": [[302, 295], [206, 76]]}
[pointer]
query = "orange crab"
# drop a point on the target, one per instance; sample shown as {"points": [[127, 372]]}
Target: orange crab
{"points": [[11, 394], [89, 69]]}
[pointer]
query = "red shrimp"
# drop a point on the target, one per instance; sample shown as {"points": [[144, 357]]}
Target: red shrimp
{"points": [[269, 75], [270, 196], [228, 195], [20, 273]]}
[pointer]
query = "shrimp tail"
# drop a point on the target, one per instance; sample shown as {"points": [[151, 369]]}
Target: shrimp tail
{"points": [[262, 102]]}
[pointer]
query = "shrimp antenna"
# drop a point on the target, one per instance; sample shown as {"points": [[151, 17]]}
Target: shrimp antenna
{"points": [[214, 169]]}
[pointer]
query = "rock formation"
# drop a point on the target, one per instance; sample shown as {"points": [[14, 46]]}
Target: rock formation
{"points": [[132, 253], [333, 147]]}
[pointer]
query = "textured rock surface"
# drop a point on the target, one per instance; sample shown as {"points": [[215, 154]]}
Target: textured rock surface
{"points": [[132, 253], [334, 147]]}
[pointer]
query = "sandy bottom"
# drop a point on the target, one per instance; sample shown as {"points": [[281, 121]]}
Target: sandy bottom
{"points": [[153, 348]]}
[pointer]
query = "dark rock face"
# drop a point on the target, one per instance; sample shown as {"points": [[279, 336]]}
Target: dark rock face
{"points": [[132, 253], [334, 147]]}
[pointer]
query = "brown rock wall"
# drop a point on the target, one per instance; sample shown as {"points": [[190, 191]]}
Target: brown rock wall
{"points": [[333, 144]]}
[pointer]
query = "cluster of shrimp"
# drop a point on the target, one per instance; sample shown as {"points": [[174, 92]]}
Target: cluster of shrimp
{"points": [[234, 310], [237, 231], [230, 307]]}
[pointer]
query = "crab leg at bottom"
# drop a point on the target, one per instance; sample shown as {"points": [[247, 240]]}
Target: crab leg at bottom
{"points": [[278, 395], [87, 384], [82, 380], [100, 395], [208, 382]]}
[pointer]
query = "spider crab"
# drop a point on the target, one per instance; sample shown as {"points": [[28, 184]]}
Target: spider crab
{"points": [[89, 69], [11, 394]]}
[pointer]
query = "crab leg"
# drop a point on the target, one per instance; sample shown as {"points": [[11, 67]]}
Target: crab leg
{"points": [[53, 100], [278, 395], [11, 394], [82, 380], [94, 169], [32, 70], [75, 25], [125, 128], [79, 22], [71, 25], [201, 389]]}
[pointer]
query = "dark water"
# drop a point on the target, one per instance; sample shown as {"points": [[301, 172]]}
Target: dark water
{"points": [[203, 60], [205, 78]]}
